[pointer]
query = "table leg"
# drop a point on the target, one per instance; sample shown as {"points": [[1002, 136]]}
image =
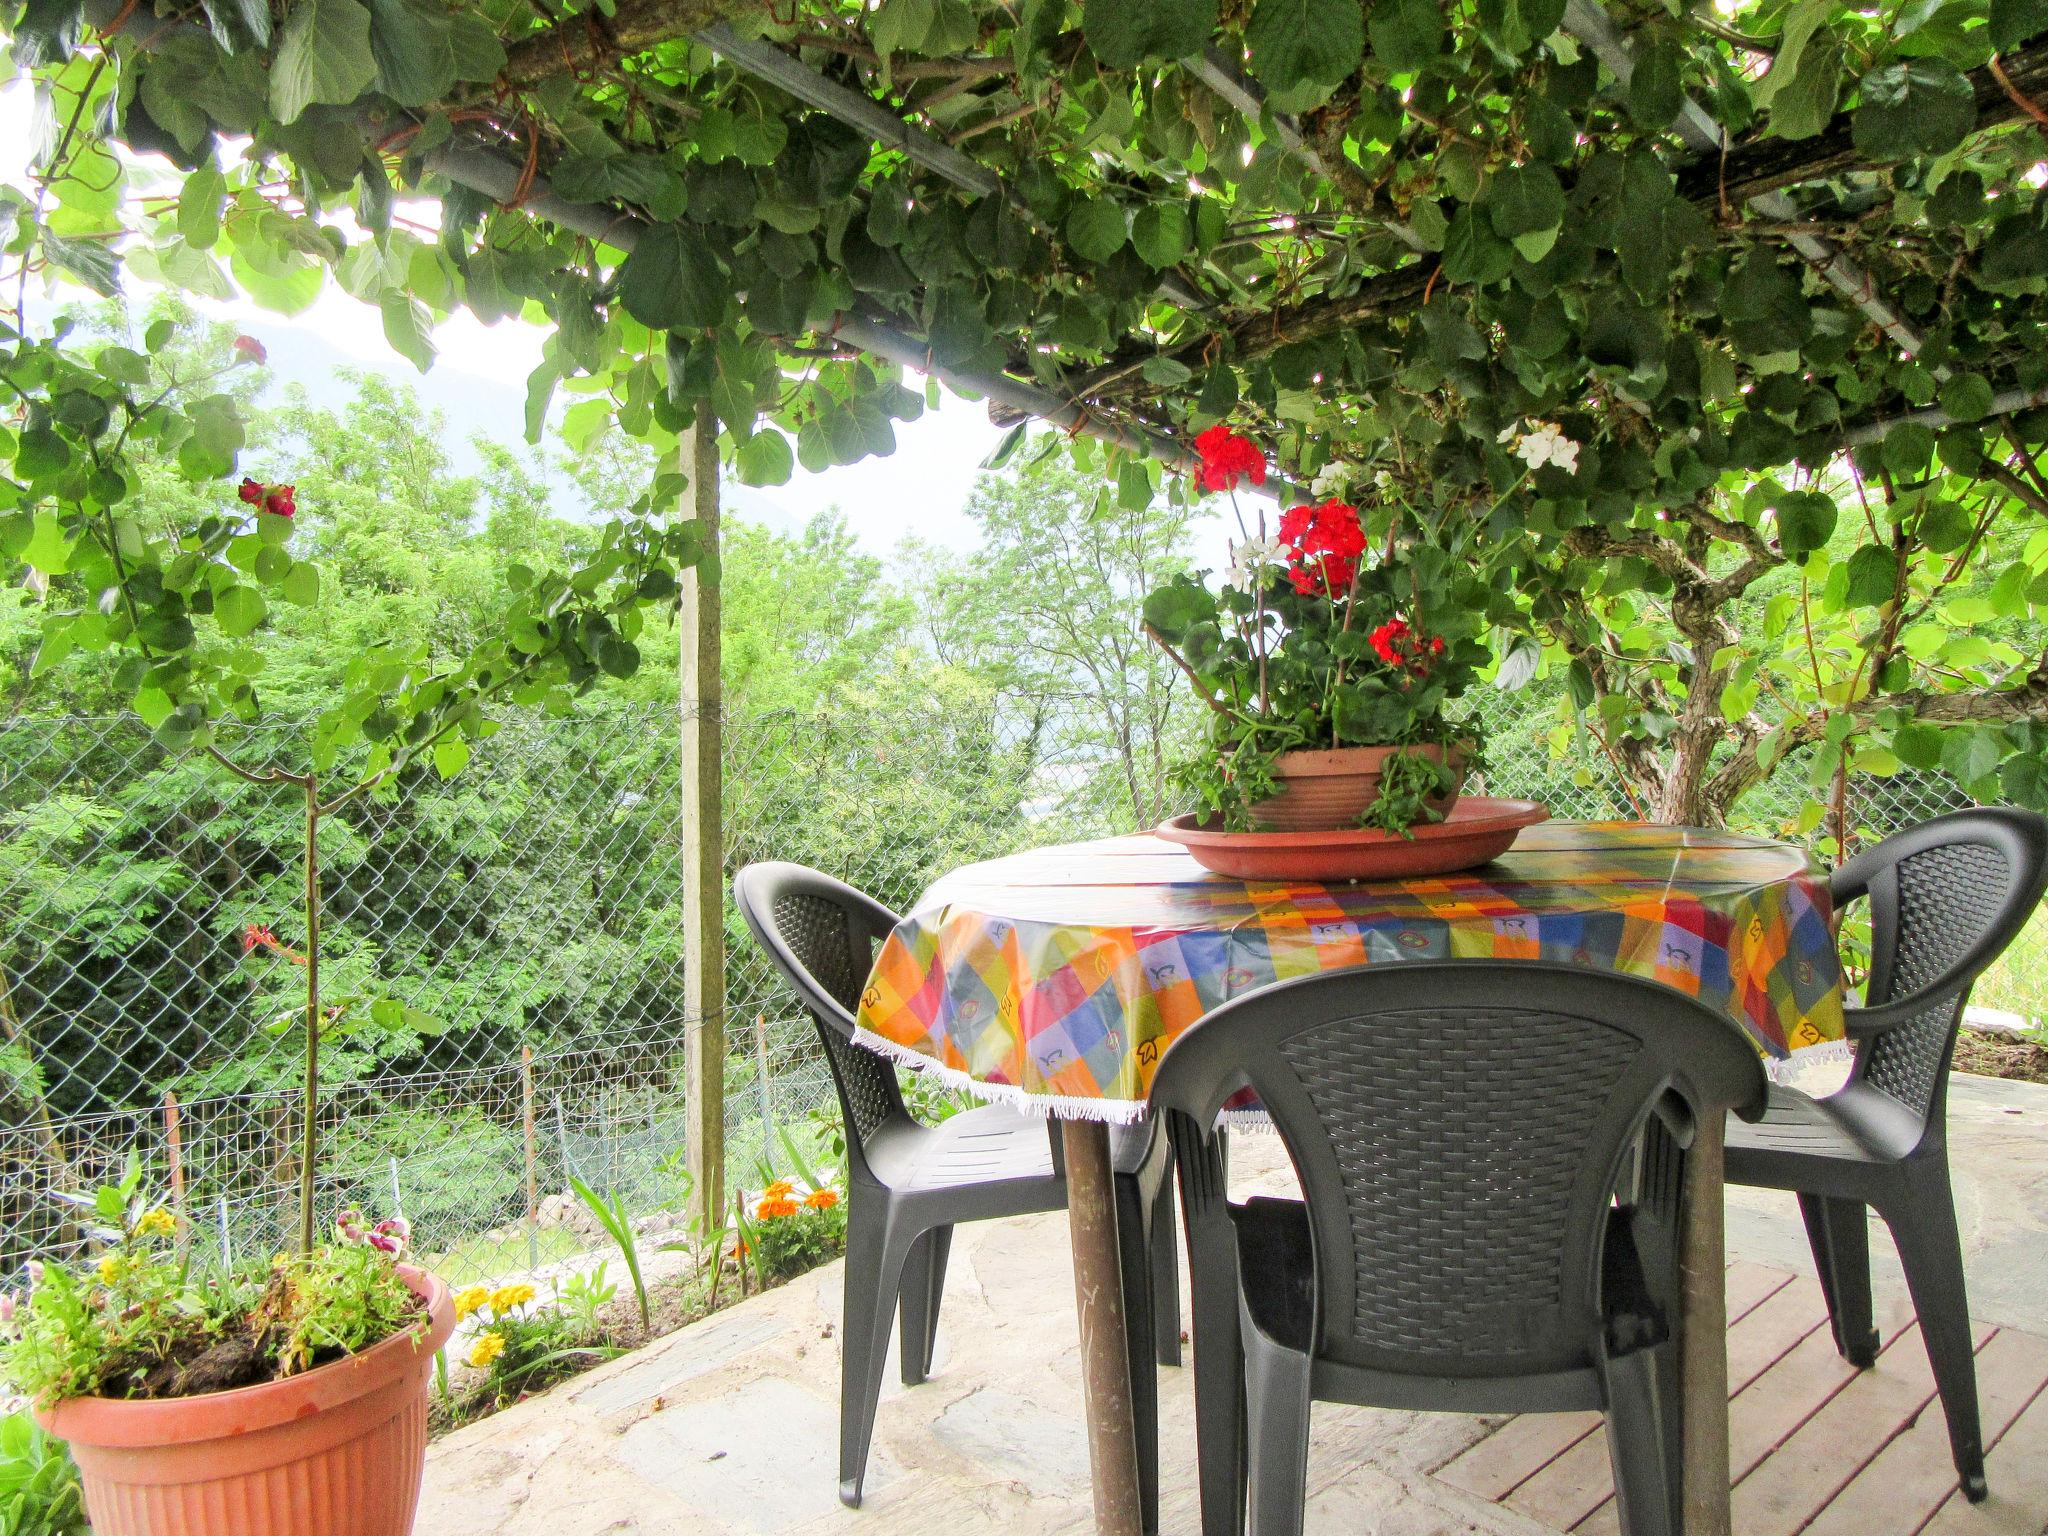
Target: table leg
{"points": [[1099, 1301], [1703, 1339]]}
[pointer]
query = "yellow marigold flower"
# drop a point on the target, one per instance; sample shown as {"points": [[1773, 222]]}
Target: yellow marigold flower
{"points": [[769, 1209], [157, 1223], [486, 1349], [822, 1199], [470, 1299], [506, 1297], [781, 1189], [110, 1269]]}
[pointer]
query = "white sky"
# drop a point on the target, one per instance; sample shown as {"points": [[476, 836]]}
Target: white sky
{"points": [[478, 382]]}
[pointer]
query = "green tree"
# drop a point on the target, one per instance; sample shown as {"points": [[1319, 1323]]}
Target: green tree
{"points": [[1056, 592]]}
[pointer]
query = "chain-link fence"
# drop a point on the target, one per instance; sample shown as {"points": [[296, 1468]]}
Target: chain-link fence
{"points": [[525, 918], [507, 948]]}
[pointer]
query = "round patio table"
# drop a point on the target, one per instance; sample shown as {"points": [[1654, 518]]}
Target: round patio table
{"points": [[1056, 979]]}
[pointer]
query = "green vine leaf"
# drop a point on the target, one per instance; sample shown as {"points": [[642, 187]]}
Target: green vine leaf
{"points": [[1123, 35], [323, 58], [1302, 49]]}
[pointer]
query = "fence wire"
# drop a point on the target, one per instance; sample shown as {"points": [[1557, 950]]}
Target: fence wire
{"points": [[526, 918]]}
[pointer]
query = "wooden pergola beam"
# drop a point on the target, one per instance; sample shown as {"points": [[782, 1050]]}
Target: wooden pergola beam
{"points": [[1755, 165], [1589, 22]]}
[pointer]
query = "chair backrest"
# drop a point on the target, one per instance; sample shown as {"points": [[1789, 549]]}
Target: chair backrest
{"points": [[821, 934], [1458, 1129], [1946, 898]]}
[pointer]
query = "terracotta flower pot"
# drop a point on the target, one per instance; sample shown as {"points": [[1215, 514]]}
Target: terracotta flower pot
{"points": [[1330, 789], [337, 1451]]}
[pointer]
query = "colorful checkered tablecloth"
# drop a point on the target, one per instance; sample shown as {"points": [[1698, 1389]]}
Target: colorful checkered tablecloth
{"points": [[1059, 977]]}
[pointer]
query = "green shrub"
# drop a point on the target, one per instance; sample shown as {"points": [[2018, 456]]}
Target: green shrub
{"points": [[39, 1492]]}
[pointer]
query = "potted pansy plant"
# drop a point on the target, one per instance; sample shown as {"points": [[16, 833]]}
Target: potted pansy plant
{"points": [[1326, 657], [285, 1396], [291, 1399]]}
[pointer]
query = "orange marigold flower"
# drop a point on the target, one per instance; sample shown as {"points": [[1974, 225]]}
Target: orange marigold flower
{"points": [[781, 1189], [822, 1199], [768, 1210]]}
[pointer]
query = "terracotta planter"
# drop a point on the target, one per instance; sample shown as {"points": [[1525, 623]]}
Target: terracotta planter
{"points": [[337, 1451], [1330, 789]]}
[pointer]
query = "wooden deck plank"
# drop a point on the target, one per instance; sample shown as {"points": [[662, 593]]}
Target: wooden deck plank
{"points": [[1580, 1479], [1914, 1475], [1523, 1446], [1774, 1405], [1798, 1479], [2017, 1469]]}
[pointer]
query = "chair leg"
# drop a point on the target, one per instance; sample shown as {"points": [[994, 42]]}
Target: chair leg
{"points": [[1165, 1266], [1641, 1443], [1923, 1225], [1218, 1362], [924, 1282], [1838, 1231], [877, 1247], [1276, 1402], [1134, 1263]]}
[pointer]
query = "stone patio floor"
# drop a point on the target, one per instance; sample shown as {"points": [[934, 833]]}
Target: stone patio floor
{"points": [[729, 1426]]}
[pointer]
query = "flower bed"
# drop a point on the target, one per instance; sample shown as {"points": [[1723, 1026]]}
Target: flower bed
{"points": [[521, 1337]]}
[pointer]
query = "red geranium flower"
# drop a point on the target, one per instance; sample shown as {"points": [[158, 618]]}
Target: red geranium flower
{"points": [[1326, 542], [1388, 641], [251, 491], [1228, 457], [282, 500], [1395, 643]]}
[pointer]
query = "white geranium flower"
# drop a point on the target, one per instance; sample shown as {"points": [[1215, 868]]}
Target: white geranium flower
{"points": [[1329, 480], [1544, 443], [1250, 560]]}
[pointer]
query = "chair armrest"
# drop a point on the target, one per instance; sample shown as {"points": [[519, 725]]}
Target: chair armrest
{"points": [[1881, 1018]]}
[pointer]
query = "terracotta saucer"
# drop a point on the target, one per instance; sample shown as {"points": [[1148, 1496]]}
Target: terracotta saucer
{"points": [[1478, 829]]}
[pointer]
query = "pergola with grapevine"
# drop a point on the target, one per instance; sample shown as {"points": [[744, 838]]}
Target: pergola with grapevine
{"points": [[1721, 247], [1777, 269]]}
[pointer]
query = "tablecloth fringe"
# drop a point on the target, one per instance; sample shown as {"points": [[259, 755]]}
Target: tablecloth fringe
{"points": [[1788, 1069], [1043, 1106], [1040, 1106]]}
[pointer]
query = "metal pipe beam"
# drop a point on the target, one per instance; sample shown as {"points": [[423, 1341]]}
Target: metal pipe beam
{"points": [[2002, 404], [1215, 70], [483, 170], [767, 62]]}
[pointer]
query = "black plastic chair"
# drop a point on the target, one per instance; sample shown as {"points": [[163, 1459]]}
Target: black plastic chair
{"points": [[1946, 898], [908, 1183], [1459, 1130]]}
